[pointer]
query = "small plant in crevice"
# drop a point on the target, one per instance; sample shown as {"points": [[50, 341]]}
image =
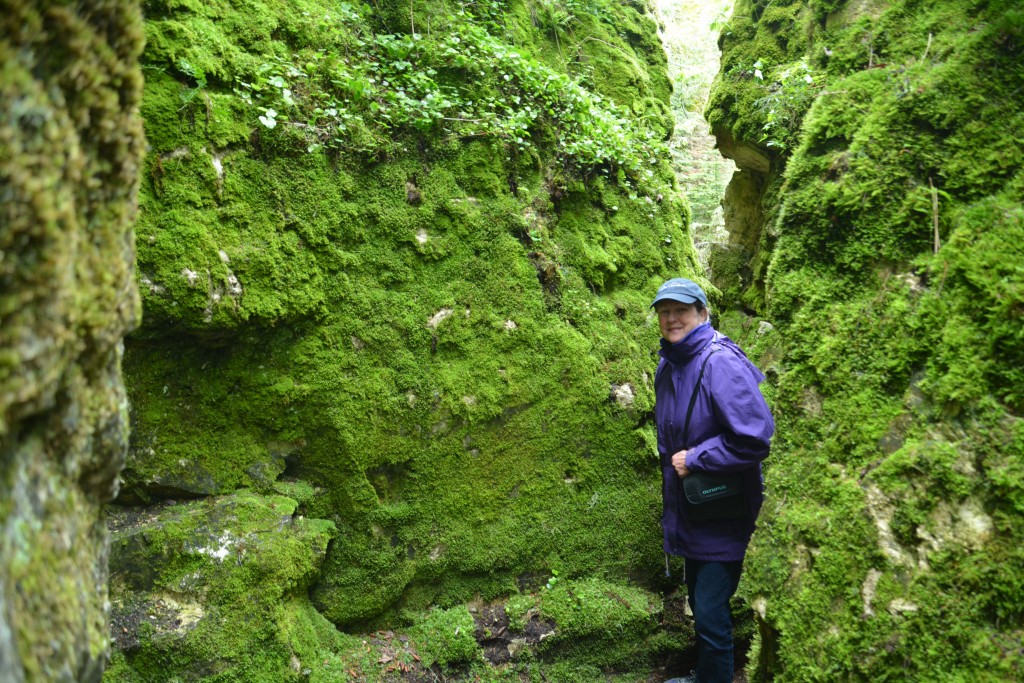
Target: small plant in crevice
{"points": [[788, 99], [722, 22], [196, 74], [789, 90]]}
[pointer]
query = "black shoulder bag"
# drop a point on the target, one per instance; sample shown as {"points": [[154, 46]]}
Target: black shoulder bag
{"points": [[706, 496]]}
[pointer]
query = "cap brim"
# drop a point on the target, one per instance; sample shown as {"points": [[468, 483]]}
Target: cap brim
{"points": [[681, 298]]}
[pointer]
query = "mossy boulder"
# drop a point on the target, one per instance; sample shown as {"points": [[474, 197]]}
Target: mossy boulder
{"points": [[218, 588], [447, 637], [597, 625]]}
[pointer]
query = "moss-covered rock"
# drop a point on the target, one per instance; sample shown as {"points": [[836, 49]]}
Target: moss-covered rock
{"points": [[432, 322], [598, 625], [218, 589], [70, 148], [447, 637], [887, 260]]}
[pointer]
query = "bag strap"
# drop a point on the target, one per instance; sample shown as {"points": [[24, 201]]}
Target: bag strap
{"points": [[693, 399]]}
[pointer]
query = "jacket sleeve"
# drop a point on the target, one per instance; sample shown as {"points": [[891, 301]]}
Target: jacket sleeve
{"points": [[745, 422]]}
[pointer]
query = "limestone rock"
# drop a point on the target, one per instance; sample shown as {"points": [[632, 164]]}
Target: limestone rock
{"points": [[186, 575]]}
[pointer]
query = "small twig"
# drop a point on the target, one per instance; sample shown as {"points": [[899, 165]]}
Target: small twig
{"points": [[935, 214], [618, 598], [942, 280], [412, 19], [614, 47], [469, 136], [557, 43], [927, 47]]}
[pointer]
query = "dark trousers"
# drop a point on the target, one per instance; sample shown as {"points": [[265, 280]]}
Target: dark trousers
{"points": [[709, 586]]}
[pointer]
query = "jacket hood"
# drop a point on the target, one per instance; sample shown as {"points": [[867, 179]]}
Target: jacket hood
{"points": [[699, 339], [695, 341]]}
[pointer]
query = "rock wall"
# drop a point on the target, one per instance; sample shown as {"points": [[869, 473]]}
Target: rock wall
{"points": [[70, 146], [396, 263], [883, 143]]}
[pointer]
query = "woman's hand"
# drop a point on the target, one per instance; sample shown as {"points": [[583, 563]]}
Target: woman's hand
{"points": [[679, 463]]}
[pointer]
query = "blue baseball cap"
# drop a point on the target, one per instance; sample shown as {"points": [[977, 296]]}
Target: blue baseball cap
{"points": [[682, 290]]}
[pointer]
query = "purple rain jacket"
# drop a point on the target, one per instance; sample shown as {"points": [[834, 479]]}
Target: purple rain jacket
{"points": [[730, 431]]}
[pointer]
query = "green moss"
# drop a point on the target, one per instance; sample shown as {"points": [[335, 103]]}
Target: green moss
{"points": [[591, 606], [446, 636], [769, 38], [70, 147], [599, 626]]}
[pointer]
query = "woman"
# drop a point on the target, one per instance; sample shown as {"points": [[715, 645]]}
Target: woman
{"points": [[712, 420]]}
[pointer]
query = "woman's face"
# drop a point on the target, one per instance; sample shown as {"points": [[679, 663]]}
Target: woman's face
{"points": [[676, 319]]}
